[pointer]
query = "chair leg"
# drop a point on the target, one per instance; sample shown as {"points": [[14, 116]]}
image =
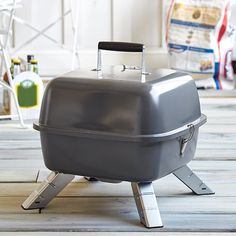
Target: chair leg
{"points": [[11, 87], [192, 181], [49, 188], [146, 204]]}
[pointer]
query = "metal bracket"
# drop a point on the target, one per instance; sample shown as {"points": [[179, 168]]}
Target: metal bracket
{"points": [[146, 204], [90, 179], [184, 142], [49, 188], [192, 181]]}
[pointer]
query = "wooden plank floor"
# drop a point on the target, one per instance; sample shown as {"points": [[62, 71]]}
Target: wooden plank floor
{"points": [[96, 208]]}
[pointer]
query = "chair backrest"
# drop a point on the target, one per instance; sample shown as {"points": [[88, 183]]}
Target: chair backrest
{"points": [[7, 8], [9, 4]]}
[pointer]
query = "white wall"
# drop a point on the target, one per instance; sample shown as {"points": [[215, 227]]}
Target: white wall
{"points": [[118, 20]]}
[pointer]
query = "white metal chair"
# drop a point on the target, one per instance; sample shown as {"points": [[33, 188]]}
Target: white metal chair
{"points": [[72, 12], [8, 6]]}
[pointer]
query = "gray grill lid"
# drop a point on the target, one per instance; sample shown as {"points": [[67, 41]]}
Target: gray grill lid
{"points": [[120, 105]]}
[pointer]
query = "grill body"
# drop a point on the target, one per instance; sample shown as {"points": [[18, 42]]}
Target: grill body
{"points": [[117, 128]]}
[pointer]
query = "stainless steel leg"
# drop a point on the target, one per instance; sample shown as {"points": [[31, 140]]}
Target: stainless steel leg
{"points": [[146, 204], [90, 178], [191, 180], [51, 186]]}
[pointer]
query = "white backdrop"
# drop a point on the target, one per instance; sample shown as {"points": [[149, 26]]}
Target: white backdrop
{"points": [[118, 20]]}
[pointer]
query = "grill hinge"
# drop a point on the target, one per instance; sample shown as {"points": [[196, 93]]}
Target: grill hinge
{"points": [[184, 141]]}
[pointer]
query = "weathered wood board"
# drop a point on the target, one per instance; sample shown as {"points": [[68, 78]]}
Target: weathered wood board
{"points": [[109, 209]]}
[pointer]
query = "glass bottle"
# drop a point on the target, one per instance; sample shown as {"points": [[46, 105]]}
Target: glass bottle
{"points": [[16, 69], [29, 65], [34, 66]]}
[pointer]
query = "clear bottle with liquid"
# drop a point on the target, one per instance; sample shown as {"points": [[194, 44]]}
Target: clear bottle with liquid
{"points": [[12, 67], [29, 65], [16, 68], [34, 66]]}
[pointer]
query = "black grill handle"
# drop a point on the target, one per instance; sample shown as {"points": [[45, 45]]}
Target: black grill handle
{"points": [[121, 46]]}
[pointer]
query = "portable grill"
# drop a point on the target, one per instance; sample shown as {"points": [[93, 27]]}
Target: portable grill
{"points": [[112, 126]]}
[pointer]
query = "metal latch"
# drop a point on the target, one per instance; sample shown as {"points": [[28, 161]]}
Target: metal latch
{"points": [[184, 141]]}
